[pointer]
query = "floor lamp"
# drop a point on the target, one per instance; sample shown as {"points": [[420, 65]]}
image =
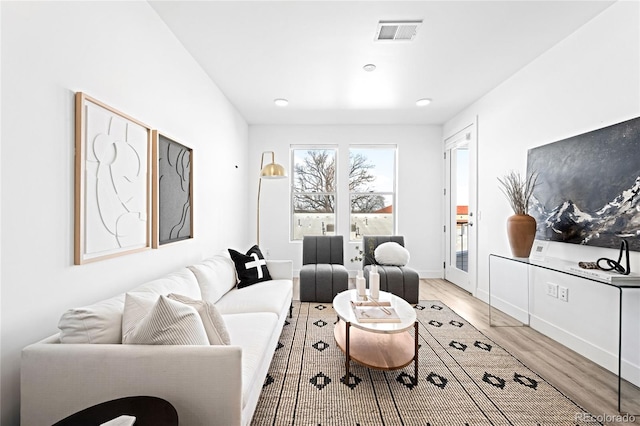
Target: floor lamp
{"points": [[270, 171]]}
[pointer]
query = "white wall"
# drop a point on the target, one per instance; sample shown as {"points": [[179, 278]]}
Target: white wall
{"points": [[0, 217], [588, 81], [419, 182], [122, 54]]}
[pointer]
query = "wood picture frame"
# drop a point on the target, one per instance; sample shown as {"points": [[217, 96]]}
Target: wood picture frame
{"points": [[172, 190], [112, 182]]}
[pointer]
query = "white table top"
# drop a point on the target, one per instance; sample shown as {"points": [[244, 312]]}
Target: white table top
{"points": [[407, 314]]}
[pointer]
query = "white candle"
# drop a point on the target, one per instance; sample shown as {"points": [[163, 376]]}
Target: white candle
{"points": [[361, 285], [374, 283]]}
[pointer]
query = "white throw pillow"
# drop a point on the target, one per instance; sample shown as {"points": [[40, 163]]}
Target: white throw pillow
{"points": [[213, 322], [97, 323], [163, 322], [216, 276], [391, 253]]}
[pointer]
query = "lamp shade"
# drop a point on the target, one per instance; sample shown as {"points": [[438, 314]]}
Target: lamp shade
{"points": [[273, 171]]}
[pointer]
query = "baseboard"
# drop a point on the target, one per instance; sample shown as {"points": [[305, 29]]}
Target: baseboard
{"points": [[482, 294], [433, 274], [595, 353], [508, 308], [631, 372], [600, 356]]}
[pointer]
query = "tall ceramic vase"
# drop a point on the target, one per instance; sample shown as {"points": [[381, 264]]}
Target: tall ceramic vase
{"points": [[521, 230]]}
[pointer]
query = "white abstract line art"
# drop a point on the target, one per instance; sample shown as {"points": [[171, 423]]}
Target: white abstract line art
{"points": [[115, 197]]}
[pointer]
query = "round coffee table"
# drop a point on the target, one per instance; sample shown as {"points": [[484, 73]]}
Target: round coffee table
{"points": [[378, 345]]}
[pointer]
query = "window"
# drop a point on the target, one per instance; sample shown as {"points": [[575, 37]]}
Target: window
{"points": [[372, 190], [313, 194]]}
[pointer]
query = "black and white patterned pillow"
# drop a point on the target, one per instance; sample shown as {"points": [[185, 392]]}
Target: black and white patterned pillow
{"points": [[251, 267]]}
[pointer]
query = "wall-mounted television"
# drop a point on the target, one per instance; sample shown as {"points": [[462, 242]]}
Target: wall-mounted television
{"points": [[589, 187]]}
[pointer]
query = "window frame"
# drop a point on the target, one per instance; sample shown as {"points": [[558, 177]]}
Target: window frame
{"points": [[293, 193], [392, 194]]}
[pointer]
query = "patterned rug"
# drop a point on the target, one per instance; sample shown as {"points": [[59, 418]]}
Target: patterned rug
{"points": [[464, 379]]}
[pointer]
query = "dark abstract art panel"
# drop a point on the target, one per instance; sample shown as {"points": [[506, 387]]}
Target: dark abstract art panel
{"points": [[588, 187], [174, 191]]}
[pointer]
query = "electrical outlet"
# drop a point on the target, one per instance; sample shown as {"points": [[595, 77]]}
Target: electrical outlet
{"points": [[552, 289], [563, 294]]}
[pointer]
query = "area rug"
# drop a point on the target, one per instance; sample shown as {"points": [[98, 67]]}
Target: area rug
{"points": [[464, 378]]}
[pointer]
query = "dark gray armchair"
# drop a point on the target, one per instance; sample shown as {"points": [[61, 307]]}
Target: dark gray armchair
{"points": [[399, 280], [323, 274]]}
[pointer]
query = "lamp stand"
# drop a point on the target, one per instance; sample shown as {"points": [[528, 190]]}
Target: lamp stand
{"points": [[270, 171]]}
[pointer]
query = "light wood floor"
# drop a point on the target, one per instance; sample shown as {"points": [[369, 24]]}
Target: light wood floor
{"points": [[585, 382]]}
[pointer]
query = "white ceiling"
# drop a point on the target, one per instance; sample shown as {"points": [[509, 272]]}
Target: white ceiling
{"points": [[312, 53]]}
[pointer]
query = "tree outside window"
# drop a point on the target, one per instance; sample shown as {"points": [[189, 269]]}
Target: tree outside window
{"points": [[372, 191], [314, 192]]}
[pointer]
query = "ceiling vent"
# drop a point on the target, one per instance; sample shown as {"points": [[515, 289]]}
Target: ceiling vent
{"points": [[397, 30]]}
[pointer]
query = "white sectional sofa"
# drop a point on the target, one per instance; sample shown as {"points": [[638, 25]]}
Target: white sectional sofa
{"points": [[86, 363]]}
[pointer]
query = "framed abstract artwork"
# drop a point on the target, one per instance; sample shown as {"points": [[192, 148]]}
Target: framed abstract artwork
{"points": [[588, 188], [172, 191], [112, 182]]}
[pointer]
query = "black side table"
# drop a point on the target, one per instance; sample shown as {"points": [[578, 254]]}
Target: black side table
{"points": [[148, 411]]}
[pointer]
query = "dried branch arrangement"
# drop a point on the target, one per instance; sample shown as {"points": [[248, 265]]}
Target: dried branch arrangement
{"points": [[518, 190]]}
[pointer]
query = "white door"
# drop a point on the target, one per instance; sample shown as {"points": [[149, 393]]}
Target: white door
{"points": [[460, 203]]}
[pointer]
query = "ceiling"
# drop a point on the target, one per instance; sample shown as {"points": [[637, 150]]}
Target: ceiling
{"points": [[312, 53]]}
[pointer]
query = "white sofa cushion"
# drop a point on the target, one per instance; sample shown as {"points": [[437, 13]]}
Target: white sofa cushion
{"points": [[101, 322], [253, 333], [213, 322], [266, 296], [163, 322], [391, 253], [216, 276], [97, 323], [182, 282]]}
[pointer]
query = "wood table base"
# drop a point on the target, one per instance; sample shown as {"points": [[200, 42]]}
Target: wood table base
{"points": [[377, 350]]}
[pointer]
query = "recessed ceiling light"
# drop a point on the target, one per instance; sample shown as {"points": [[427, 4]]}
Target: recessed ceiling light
{"points": [[281, 102], [369, 67], [423, 102]]}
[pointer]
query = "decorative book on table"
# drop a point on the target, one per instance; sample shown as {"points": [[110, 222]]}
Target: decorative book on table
{"points": [[609, 276], [375, 312]]}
